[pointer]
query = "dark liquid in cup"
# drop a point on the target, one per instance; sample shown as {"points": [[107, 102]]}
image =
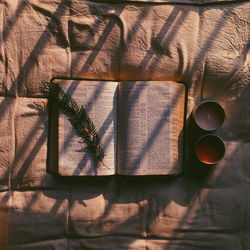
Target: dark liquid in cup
{"points": [[209, 115], [210, 149]]}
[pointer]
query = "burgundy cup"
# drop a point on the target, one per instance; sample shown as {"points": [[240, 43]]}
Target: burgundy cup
{"points": [[209, 149], [209, 115]]}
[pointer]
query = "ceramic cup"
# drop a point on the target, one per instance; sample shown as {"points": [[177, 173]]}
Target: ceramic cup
{"points": [[209, 149], [208, 115]]}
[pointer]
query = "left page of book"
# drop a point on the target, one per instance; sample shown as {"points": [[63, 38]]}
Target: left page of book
{"points": [[99, 99]]}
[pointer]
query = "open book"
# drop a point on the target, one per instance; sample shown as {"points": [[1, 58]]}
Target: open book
{"points": [[140, 124]]}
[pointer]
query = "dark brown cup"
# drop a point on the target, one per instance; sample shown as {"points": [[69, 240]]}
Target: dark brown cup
{"points": [[209, 149], [208, 115]]}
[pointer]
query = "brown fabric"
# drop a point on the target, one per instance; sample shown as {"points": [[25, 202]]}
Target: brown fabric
{"points": [[192, 2], [205, 46]]}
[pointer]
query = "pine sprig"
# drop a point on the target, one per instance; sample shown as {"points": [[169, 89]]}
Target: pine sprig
{"points": [[78, 117]]}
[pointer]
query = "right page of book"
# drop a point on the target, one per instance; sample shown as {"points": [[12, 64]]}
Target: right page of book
{"points": [[150, 127]]}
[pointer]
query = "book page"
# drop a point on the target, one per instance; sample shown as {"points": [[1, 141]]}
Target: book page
{"points": [[150, 127], [99, 100]]}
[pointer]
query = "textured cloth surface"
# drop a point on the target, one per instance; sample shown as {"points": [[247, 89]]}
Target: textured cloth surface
{"points": [[205, 45]]}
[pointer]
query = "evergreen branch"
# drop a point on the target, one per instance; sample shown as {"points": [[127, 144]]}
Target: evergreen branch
{"points": [[78, 117]]}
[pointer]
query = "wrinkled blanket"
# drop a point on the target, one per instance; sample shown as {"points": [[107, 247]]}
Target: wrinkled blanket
{"points": [[204, 44]]}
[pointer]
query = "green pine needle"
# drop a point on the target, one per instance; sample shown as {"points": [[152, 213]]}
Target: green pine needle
{"points": [[78, 117]]}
